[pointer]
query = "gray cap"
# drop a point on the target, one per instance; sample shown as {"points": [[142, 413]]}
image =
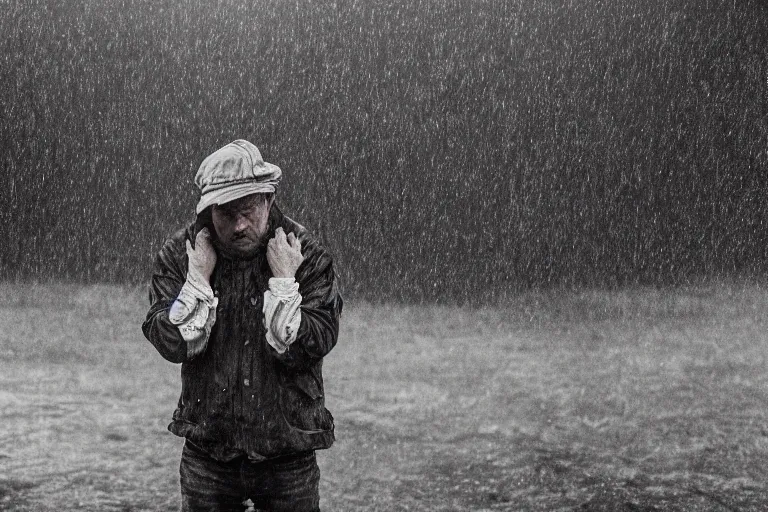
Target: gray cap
{"points": [[232, 172]]}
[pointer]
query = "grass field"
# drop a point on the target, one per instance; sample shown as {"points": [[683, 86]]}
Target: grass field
{"points": [[640, 399]]}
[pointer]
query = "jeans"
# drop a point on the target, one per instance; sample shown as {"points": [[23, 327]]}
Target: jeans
{"points": [[284, 484]]}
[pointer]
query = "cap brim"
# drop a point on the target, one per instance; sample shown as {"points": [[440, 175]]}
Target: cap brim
{"points": [[232, 192]]}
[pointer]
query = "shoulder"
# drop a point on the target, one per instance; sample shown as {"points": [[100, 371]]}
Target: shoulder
{"points": [[291, 226], [174, 247], [311, 247]]}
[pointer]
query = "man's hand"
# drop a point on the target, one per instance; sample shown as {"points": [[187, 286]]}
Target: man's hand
{"points": [[202, 259], [284, 254]]}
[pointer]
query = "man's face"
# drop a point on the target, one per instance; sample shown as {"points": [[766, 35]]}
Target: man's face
{"points": [[241, 224]]}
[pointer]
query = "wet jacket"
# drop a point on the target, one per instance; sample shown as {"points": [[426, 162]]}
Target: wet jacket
{"points": [[240, 396]]}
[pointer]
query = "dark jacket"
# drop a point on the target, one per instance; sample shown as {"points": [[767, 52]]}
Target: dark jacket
{"points": [[240, 396]]}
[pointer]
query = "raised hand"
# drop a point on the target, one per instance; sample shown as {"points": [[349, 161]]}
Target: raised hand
{"points": [[284, 254], [202, 259]]}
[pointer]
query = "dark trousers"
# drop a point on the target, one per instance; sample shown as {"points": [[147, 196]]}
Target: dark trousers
{"points": [[284, 484]]}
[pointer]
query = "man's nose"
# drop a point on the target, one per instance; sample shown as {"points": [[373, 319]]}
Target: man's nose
{"points": [[240, 223]]}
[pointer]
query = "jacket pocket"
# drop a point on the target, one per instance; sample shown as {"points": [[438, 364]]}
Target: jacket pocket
{"points": [[302, 404], [309, 384]]}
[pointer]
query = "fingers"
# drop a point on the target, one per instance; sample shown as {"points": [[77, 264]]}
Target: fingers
{"points": [[204, 241], [280, 236], [284, 253], [203, 234], [294, 241], [281, 241]]}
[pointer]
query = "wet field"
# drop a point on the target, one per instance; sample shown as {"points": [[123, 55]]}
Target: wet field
{"points": [[638, 399]]}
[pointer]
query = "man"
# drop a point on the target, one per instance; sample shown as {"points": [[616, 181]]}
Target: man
{"points": [[248, 302]]}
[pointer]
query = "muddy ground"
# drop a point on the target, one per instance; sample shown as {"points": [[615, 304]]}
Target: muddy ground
{"points": [[636, 400]]}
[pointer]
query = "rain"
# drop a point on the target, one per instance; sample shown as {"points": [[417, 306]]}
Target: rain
{"points": [[459, 154]]}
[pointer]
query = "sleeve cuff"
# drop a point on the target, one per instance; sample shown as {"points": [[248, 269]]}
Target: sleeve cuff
{"points": [[198, 287], [283, 287], [194, 313], [186, 303], [282, 312]]}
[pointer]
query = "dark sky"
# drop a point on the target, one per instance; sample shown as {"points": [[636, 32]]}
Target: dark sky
{"points": [[450, 150]]}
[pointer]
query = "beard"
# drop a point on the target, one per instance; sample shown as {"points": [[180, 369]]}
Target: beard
{"points": [[241, 247]]}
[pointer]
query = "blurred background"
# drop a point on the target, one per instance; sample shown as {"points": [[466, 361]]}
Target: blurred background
{"points": [[443, 150]]}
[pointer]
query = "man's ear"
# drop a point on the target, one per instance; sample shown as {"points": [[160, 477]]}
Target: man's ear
{"points": [[270, 201]]}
